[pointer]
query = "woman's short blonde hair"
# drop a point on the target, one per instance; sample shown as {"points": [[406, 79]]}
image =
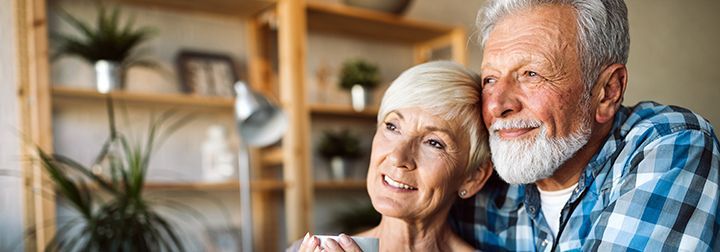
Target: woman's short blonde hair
{"points": [[447, 90]]}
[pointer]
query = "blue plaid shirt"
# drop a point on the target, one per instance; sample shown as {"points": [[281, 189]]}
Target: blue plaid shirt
{"points": [[653, 186]]}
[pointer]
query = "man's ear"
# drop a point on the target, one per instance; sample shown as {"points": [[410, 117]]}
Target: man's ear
{"points": [[476, 180], [608, 92]]}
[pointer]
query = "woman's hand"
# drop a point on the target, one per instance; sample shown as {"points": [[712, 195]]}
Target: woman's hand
{"points": [[311, 243], [346, 244]]}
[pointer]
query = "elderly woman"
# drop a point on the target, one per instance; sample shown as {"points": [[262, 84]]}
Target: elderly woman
{"points": [[430, 149]]}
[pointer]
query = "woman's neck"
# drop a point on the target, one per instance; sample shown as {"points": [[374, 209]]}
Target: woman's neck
{"points": [[402, 235]]}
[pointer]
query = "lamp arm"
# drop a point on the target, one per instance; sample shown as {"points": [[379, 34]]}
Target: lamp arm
{"points": [[245, 200]]}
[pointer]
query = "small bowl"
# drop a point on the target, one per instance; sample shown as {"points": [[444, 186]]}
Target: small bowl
{"points": [[389, 6]]}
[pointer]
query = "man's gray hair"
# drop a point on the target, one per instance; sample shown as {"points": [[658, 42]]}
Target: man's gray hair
{"points": [[603, 35], [447, 90]]}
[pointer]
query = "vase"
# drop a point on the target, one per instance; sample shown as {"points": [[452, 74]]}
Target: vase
{"points": [[339, 168], [360, 97], [108, 76]]}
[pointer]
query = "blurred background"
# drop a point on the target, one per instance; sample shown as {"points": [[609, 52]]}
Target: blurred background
{"points": [[306, 57]]}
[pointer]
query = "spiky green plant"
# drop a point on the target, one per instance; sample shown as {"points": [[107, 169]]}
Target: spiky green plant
{"points": [[360, 72], [107, 40], [113, 214]]}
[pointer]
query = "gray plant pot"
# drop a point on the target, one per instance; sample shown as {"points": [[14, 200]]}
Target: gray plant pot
{"points": [[108, 76]]}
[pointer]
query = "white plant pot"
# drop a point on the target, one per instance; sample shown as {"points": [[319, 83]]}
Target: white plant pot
{"points": [[108, 76], [360, 97], [339, 168]]}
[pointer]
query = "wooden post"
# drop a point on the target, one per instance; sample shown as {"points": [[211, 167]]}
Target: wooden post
{"points": [[35, 101], [459, 42], [292, 30]]}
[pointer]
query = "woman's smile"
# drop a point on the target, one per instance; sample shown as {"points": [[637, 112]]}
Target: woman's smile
{"points": [[396, 185]]}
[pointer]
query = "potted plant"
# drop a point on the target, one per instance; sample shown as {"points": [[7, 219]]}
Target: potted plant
{"points": [[110, 46], [113, 214], [360, 77], [339, 148]]}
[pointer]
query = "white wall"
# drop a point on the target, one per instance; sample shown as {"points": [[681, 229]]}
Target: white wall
{"points": [[11, 197], [675, 54]]}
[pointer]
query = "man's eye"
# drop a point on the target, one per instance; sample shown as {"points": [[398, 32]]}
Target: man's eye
{"points": [[531, 77], [390, 126], [436, 144], [487, 81], [531, 74]]}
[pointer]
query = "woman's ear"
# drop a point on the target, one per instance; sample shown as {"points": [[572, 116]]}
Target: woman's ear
{"points": [[609, 91], [476, 180]]}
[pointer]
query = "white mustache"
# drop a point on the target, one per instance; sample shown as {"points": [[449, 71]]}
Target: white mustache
{"points": [[515, 124]]}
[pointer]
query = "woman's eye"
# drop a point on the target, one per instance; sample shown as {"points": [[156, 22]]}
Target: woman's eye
{"points": [[436, 144], [531, 74], [390, 126]]}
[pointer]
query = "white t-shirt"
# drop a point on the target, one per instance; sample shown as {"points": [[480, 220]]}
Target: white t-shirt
{"points": [[552, 203]]}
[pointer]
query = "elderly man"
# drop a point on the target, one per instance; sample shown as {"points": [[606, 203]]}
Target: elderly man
{"points": [[583, 172]]}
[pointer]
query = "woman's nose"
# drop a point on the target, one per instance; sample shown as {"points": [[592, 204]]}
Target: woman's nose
{"points": [[402, 155], [501, 99]]}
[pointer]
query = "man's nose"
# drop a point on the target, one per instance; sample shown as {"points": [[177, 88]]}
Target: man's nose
{"points": [[402, 155], [501, 99]]}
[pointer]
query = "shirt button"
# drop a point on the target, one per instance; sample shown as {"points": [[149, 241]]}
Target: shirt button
{"points": [[545, 242], [532, 209]]}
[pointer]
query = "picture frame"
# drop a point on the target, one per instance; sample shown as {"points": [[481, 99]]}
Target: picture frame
{"points": [[204, 73]]}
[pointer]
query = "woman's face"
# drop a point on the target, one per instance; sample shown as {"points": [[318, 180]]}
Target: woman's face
{"points": [[417, 164]]}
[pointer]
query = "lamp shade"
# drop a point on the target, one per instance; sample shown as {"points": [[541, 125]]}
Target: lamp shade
{"points": [[259, 122]]}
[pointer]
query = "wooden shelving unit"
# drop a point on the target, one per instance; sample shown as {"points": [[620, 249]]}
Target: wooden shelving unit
{"points": [[342, 111], [63, 94], [232, 8], [340, 185], [368, 24], [258, 185]]}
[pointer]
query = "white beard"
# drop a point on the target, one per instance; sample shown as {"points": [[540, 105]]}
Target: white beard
{"points": [[525, 161]]}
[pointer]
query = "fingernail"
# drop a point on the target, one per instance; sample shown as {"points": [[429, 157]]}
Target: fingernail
{"points": [[313, 242], [306, 236], [330, 244], [344, 239]]}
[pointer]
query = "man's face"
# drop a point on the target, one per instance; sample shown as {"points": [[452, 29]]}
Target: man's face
{"points": [[533, 92]]}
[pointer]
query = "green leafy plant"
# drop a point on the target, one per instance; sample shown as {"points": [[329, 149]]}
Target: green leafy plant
{"points": [[107, 40], [359, 72], [339, 144], [113, 214]]}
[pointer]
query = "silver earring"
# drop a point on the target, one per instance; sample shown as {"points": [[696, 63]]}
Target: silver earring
{"points": [[463, 193]]}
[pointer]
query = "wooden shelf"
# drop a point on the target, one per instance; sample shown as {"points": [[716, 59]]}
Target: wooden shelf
{"points": [[64, 94], [369, 24], [271, 156], [343, 111], [235, 8], [257, 185], [341, 185]]}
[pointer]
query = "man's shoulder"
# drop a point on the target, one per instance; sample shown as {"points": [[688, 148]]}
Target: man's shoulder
{"points": [[652, 120], [651, 139]]}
